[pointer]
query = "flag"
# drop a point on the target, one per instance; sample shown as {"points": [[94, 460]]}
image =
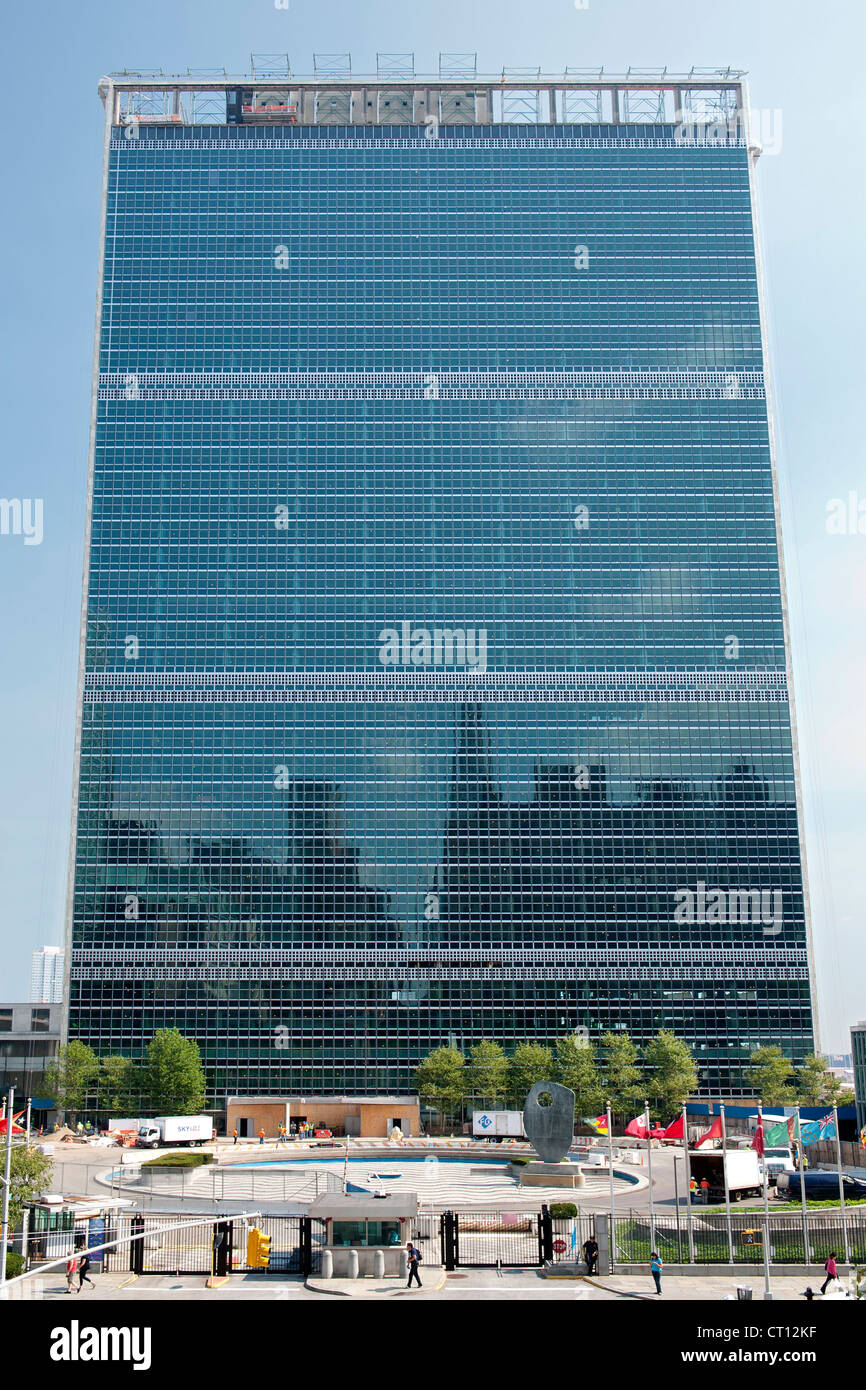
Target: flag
{"points": [[573, 1239], [675, 1129], [781, 1134], [828, 1127], [16, 1129], [758, 1141], [810, 1131], [598, 1125], [863, 1137], [638, 1130], [714, 1132]]}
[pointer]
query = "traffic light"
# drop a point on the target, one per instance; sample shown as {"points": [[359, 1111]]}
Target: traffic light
{"points": [[258, 1249]]}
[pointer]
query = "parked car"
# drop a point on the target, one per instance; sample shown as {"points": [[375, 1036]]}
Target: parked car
{"points": [[821, 1184]]}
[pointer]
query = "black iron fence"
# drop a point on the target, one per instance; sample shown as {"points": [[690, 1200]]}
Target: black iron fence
{"points": [[485, 1239], [790, 1239]]}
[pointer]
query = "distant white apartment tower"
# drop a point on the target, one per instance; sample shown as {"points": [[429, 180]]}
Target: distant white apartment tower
{"points": [[46, 975]]}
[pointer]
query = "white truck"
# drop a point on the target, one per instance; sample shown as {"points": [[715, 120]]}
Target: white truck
{"points": [[175, 1130], [743, 1171], [498, 1124], [778, 1161]]}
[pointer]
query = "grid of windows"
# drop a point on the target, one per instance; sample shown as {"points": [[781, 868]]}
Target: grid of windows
{"points": [[266, 504]]}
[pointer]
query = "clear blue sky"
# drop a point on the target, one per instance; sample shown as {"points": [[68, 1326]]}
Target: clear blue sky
{"points": [[803, 60]]}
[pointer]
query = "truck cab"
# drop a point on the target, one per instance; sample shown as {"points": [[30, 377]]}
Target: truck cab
{"points": [[776, 1161], [148, 1137]]}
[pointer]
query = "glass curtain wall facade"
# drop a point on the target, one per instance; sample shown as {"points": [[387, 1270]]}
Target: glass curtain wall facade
{"points": [[434, 669]]}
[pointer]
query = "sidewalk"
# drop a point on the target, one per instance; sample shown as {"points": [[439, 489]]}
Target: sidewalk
{"points": [[470, 1284]]}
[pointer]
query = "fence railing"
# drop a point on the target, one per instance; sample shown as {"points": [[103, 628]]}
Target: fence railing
{"points": [[224, 1183], [786, 1232]]}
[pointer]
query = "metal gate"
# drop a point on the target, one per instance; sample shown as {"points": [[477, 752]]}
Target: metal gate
{"points": [[484, 1239], [518, 1239], [221, 1247], [192, 1249]]}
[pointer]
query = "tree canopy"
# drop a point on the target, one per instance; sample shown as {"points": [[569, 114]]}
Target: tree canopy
{"points": [[487, 1074], [173, 1078], [770, 1074], [441, 1079], [671, 1074], [71, 1076]]}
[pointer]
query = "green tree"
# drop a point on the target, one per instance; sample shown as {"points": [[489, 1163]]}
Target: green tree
{"points": [[486, 1074], [173, 1078], [621, 1075], [441, 1079], [119, 1084], [530, 1062], [770, 1074], [671, 1074], [71, 1075], [577, 1068], [815, 1085], [30, 1175]]}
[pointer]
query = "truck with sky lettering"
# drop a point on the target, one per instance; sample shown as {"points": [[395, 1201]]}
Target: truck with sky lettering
{"points": [[176, 1130]]}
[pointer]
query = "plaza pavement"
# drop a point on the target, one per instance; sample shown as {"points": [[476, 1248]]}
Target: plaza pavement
{"points": [[470, 1284]]}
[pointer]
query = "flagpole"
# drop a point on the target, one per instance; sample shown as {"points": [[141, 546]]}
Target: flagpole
{"points": [[766, 1240], [612, 1203], [801, 1153], [649, 1164], [689, 1228], [841, 1185], [725, 1181], [4, 1236]]}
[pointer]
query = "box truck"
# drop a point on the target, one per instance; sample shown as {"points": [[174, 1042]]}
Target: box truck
{"points": [[176, 1130], [498, 1124], [743, 1170]]}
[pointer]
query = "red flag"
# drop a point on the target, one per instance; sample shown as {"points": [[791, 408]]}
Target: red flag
{"points": [[758, 1141], [675, 1129], [714, 1132], [638, 1130]]}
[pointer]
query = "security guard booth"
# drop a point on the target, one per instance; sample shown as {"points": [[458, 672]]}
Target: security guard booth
{"points": [[365, 1235]]}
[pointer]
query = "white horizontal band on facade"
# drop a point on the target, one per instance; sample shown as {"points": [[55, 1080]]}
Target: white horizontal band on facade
{"points": [[133, 387], [746, 679], [435, 687], [438, 957], [420, 142], [458, 974], [684, 377]]}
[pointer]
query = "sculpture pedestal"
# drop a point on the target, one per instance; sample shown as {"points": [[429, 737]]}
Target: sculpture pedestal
{"points": [[549, 1175]]}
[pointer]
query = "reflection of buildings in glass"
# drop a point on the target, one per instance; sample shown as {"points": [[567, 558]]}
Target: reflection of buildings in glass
{"points": [[571, 869]]}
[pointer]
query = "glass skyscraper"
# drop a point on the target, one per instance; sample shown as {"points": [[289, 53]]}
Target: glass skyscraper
{"points": [[434, 673]]}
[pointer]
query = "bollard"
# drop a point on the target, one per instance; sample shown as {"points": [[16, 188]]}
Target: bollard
{"points": [[354, 1265], [327, 1265], [379, 1264]]}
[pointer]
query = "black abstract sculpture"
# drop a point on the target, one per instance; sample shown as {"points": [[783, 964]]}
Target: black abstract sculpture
{"points": [[549, 1127]]}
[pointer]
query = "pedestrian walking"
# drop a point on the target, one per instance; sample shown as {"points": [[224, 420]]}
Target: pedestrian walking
{"points": [[71, 1270], [83, 1277], [830, 1267], [414, 1255], [261, 1136], [234, 1137], [590, 1254], [656, 1269]]}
